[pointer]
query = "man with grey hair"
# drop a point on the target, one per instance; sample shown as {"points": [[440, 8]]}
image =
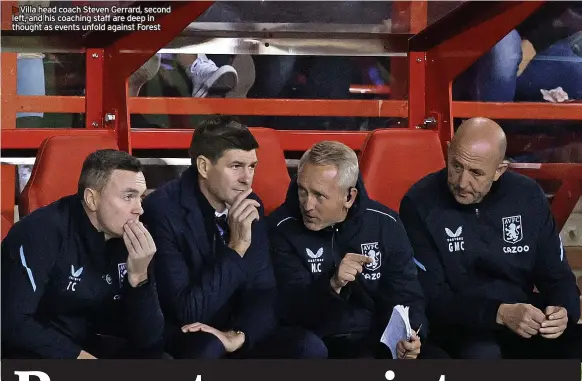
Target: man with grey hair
{"points": [[342, 260]]}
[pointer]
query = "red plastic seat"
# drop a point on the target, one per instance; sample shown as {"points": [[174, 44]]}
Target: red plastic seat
{"points": [[57, 168], [5, 225], [392, 160], [8, 173], [271, 177]]}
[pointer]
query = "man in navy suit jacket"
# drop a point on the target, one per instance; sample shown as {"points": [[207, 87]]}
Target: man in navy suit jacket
{"points": [[215, 278]]}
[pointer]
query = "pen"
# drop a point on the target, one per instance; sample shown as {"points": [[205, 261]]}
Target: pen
{"points": [[416, 334]]}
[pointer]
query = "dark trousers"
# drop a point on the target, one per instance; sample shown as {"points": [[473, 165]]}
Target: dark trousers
{"points": [[281, 343], [102, 347], [506, 344], [352, 347]]}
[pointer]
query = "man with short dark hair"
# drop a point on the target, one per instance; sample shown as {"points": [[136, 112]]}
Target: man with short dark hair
{"points": [[483, 239], [75, 278], [343, 261], [214, 274]]}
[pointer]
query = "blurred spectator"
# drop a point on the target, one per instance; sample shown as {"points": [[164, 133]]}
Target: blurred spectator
{"points": [[192, 75], [554, 32], [493, 76], [321, 12], [183, 75], [145, 73], [287, 76], [552, 39], [30, 80], [211, 80]]}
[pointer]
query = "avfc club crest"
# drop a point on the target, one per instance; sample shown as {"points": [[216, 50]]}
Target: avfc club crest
{"points": [[372, 250], [122, 271], [512, 229]]}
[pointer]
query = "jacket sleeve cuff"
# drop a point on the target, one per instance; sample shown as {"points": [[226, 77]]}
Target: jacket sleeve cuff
{"points": [[417, 320], [232, 256], [256, 318], [69, 350], [252, 334], [573, 306], [344, 294], [489, 314], [143, 290], [323, 287], [574, 313], [63, 348], [248, 344]]}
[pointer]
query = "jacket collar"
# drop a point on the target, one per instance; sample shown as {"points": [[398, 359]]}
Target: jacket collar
{"points": [[92, 240], [190, 190]]}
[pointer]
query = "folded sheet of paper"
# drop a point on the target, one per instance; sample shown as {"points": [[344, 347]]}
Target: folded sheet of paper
{"points": [[397, 329]]}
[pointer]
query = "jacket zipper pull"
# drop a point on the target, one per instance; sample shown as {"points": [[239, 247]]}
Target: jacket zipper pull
{"points": [[477, 212], [333, 255]]}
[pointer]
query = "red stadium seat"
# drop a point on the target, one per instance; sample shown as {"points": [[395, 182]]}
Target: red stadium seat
{"points": [[57, 168], [8, 191], [5, 225], [271, 178], [392, 160], [60, 158]]}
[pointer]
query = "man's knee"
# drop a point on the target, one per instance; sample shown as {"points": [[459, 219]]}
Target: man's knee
{"points": [[197, 345], [310, 346], [291, 342], [573, 348], [507, 53], [479, 349], [433, 352]]}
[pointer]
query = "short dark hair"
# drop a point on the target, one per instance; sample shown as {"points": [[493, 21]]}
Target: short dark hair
{"points": [[98, 166], [213, 136]]}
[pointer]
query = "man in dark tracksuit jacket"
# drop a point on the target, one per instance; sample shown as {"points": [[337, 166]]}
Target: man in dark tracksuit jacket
{"points": [[313, 234], [213, 269], [482, 240], [69, 289]]}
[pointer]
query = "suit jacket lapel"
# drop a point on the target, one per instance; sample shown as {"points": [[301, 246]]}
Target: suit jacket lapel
{"points": [[195, 221]]}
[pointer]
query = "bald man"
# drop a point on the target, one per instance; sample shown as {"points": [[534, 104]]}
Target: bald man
{"points": [[484, 238]]}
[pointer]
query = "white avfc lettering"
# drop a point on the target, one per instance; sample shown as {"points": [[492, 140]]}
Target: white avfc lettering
{"points": [[512, 229], [513, 233], [371, 270], [455, 240], [315, 259], [74, 278]]}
